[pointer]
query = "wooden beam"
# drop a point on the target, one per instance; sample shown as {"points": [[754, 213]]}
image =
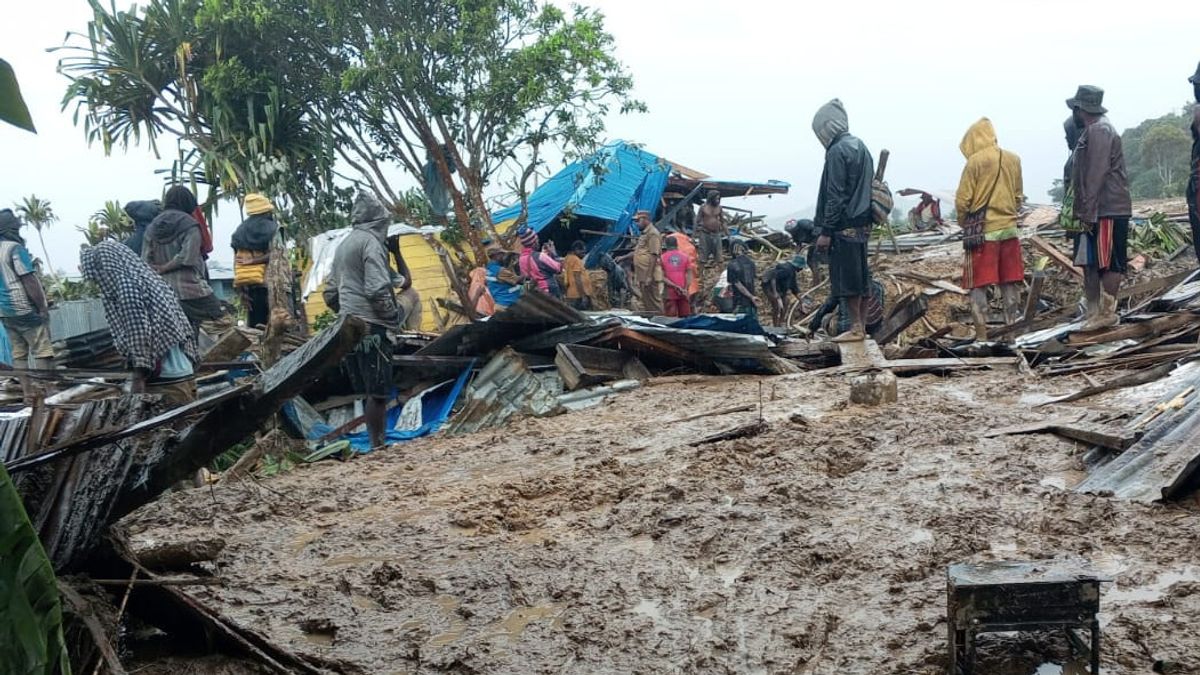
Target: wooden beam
{"points": [[1056, 255], [908, 311], [1133, 331], [1035, 295]]}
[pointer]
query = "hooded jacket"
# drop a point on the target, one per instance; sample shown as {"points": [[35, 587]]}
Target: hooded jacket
{"points": [[844, 200], [172, 246], [1098, 175], [10, 227], [142, 213], [988, 165], [361, 282]]}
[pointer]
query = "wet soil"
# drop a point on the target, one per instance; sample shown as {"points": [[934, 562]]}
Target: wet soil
{"points": [[602, 541]]}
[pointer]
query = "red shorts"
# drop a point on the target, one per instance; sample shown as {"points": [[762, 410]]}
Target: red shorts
{"points": [[996, 262], [677, 304]]}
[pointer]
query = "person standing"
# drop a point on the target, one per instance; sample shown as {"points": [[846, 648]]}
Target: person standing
{"points": [[251, 252], [741, 275], [575, 278], [172, 248], [24, 309], [536, 266], [1193, 187], [618, 281], [711, 227], [843, 218], [684, 244], [360, 285], [677, 273], [142, 213], [991, 187], [148, 325], [1102, 206], [647, 270]]}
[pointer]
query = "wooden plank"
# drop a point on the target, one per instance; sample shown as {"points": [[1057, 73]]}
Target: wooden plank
{"points": [[1056, 255], [907, 311], [1113, 438], [912, 366], [1133, 331], [1035, 295]]}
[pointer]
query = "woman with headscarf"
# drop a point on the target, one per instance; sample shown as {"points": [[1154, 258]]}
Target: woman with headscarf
{"points": [[252, 251], [539, 266], [172, 248], [149, 327]]}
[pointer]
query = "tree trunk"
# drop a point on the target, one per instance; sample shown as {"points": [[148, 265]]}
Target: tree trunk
{"points": [[49, 266]]}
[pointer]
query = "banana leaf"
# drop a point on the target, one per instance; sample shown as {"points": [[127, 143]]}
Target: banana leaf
{"points": [[31, 622], [12, 106]]}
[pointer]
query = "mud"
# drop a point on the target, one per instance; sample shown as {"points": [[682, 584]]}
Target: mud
{"points": [[602, 542]]}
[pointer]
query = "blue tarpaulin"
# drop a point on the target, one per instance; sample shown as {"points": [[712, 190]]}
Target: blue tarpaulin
{"points": [[436, 404], [743, 324], [611, 185]]}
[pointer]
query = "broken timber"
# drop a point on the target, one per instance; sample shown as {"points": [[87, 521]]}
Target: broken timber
{"points": [[1056, 255], [1118, 439], [581, 366]]}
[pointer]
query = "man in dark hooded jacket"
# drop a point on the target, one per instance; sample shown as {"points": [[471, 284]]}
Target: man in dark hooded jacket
{"points": [[360, 285], [172, 248], [142, 213], [843, 218]]}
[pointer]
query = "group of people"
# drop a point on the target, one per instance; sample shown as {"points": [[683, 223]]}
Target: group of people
{"points": [[153, 286]]}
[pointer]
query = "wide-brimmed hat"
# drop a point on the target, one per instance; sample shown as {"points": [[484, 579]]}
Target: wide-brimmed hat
{"points": [[1195, 79], [1088, 99]]}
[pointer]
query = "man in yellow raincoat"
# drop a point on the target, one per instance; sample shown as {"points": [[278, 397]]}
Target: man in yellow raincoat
{"points": [[991, 181]]}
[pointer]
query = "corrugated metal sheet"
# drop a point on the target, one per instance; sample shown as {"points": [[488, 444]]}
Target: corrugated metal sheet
{"points": [[1164, 463], [508, 385], [76, 317], [732, 351], [533, 313]]}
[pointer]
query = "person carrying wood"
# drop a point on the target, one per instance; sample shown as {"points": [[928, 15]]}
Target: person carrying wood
{"points": [[990, 192], [251, 244], [711, 227], [1193, 186], [360, 284], [1102, 206], [843, 219], [149, 327]]}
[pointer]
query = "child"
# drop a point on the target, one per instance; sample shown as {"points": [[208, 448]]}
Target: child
{"points": [[678, 275]]}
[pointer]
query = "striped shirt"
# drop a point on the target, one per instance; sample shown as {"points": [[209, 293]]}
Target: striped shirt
{"points": [[15, 262]]}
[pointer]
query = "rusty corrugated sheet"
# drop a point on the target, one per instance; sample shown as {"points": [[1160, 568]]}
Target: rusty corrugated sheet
{"points": [[76, 317], [1164, 462]]}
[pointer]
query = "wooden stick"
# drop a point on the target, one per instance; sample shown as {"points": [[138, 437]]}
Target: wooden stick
{"points": [[1056, 255], [714, 413], [198, 581]]}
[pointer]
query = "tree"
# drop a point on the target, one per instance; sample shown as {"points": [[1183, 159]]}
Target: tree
{"points": [[38, 213], [1146, 181], [1058, 191], [1165, 150], [110, 222]]}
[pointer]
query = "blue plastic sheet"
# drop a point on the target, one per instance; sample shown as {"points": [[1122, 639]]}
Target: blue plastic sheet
{"points": [[743, 324], [435, 410]]}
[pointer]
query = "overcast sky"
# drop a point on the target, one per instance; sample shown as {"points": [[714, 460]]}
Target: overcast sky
{"points": [[732, 88]]}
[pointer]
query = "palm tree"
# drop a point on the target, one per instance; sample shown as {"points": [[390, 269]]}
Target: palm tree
{"points": [[37, 212], [110, 222]]}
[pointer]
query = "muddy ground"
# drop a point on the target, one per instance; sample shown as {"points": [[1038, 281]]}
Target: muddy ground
{"points": [[602, 541]]}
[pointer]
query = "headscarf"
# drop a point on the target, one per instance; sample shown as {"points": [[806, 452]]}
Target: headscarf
{"points": [[176, 218], [10, 226], [257, 203], [142, 311], [830, 122]]}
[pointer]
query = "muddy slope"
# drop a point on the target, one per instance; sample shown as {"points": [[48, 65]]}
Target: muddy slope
{"points": [[603, 542]]}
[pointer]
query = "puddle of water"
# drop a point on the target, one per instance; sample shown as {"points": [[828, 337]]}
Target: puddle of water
{"points": [[1153, 591], [650, 608], [920, 536], [304, 539], [519, 619], [351, 560], [728, 574], [320, 639], [363, 602], [1003, 547], [458, 625]]}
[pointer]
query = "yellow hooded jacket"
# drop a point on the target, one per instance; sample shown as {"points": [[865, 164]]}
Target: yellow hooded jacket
{"points": [[984, 159]]}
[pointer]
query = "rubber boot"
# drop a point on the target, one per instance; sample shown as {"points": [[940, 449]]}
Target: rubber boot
{"points": [[1104, 316], [979, 313]]}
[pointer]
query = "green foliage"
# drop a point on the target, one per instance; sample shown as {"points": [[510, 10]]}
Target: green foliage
{"points": [[324, 320], [1158, 237], [62, 289], [110, 222], [31, 623], [1058, 191], [12, 105], [1157, 152]]}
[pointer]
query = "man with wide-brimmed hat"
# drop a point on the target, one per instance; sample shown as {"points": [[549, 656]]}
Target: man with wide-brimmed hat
{"points": [[1102, 206], [1193, 188]]}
